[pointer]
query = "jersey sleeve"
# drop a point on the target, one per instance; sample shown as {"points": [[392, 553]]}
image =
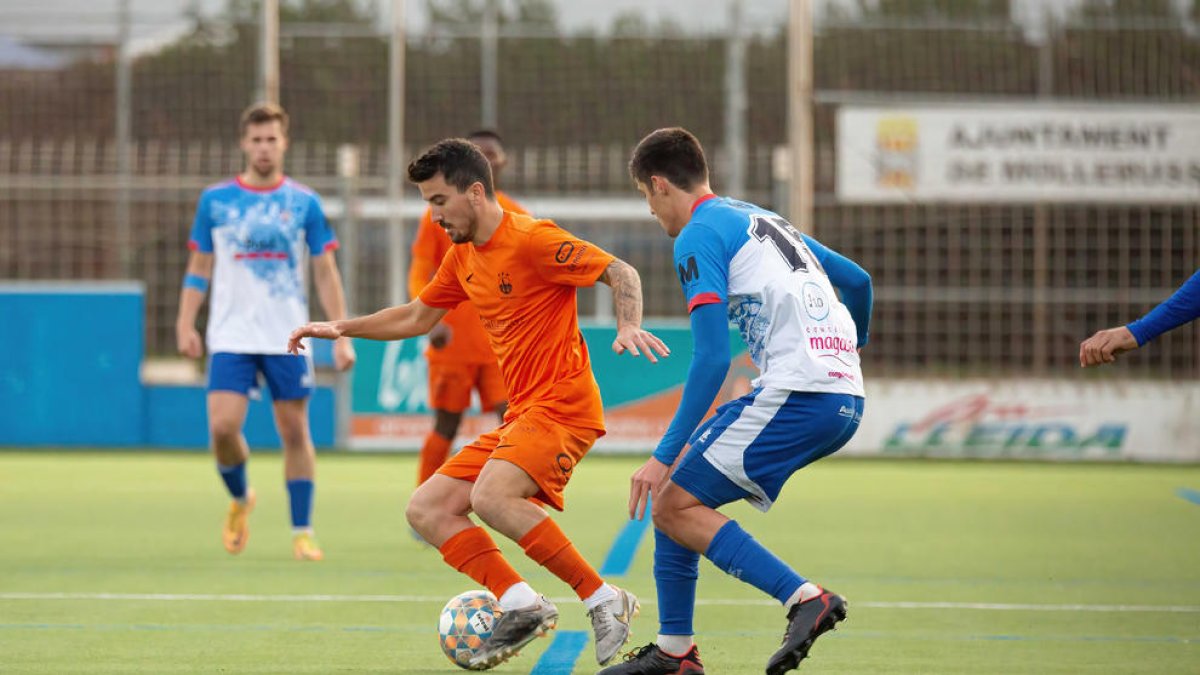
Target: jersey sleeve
{"points": [[425, 251], [317, 232], [202, 225], [562, 258], [444, 290], [1183, 306], [702, 266], [852, 281]]}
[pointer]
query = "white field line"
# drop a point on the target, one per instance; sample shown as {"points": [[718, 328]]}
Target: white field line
{"points": [[242, 597]]}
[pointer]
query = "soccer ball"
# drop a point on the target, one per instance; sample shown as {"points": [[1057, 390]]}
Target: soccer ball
{"points": [[467, 621]]}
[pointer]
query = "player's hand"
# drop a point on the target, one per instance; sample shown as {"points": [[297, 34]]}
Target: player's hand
{"points": [[637, 341], [343, 354], [439, 336], [319, 329], [647, 480], [1104, 346], [188, 342]]}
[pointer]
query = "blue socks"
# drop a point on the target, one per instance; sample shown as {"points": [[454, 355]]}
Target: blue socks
{"points": [[300, 491], [675, 572], [738, 554], [235, 479]]}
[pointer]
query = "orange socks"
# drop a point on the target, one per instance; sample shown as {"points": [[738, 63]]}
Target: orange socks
{"points": [[433, 454], [473, 553], [549, 547]]}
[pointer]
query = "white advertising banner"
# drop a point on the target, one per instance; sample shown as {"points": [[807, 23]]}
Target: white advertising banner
{"points": [[1143, 421], [1019, 153]]}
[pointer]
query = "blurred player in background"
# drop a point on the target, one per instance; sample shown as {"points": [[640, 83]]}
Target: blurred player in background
{"points": [[740, 263], [252, 236], [522, 275], [459, 356], [1183, 306]]}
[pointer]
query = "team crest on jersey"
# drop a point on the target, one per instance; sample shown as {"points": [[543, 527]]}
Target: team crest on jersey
{"points": [[505, 283]]}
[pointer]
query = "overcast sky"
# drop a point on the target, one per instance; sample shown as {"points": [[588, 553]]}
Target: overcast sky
{"points": [[98, 17]]}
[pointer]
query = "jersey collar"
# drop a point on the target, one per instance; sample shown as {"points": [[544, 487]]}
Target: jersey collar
{"points": [[696, 204], [254, 188]]}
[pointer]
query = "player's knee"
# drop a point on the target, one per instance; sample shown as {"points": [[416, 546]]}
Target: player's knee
{"points": [[224, 431], [486, 503], [293, 436], [421, 509], [666, 511]]}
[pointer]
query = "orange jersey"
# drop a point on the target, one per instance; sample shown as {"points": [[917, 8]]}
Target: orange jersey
{"points": [[468, 343], [522, 282]]}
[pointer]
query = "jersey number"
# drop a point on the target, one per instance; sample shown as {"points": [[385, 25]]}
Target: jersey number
{"points": [[783, 236]]}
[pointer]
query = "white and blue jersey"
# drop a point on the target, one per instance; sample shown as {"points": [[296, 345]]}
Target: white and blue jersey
{"points": [[260, 239], [799, 334], [742, 264]]}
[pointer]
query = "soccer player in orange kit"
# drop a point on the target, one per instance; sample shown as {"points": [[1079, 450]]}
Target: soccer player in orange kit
{"points": [[459, 356], [521, 274]]}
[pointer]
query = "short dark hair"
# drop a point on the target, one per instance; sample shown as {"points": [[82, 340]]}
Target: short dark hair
{"points": [[460, 162], [673, 153], [260, 113]]}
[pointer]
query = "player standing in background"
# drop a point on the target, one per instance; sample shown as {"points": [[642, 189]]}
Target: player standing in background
{"points": [[522, 275], [459, 356], [743, 264], [1183, 306], [251, 237]]}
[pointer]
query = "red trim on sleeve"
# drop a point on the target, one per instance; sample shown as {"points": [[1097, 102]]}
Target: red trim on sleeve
{"points": [[192, 245], [703, 299], [331, 246], [254, 188], [696, 204]]}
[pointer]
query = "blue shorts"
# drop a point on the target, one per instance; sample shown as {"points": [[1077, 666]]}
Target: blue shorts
{"points": [[752, 445], [289, 376]]}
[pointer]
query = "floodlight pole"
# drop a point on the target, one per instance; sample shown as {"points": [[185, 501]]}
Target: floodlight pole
{"points": [[397, 244], [800, 122], [124, 124], [488, 70], [268, 52]]}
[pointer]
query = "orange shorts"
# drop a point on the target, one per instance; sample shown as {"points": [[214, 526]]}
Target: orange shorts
{"points": [[545, 449], [450, 386]]}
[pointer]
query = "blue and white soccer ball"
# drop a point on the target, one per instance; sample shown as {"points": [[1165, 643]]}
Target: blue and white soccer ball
{"points": [[467, 621]]}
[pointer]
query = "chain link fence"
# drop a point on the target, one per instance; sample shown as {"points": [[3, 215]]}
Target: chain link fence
{"points": [[986, 289]]}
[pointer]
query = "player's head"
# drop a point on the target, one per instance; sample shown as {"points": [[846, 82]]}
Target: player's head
{"points": [[264, 138], [668, 166], [492, 146], [455, 178]]}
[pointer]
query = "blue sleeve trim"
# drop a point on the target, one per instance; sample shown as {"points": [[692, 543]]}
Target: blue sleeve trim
{"points": [[195, 281], [1183, 306], [852, 282], [706, 374]]}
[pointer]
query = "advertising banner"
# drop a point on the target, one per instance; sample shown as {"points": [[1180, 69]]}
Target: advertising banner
{"points": [[1015, 419], [1018, 153]]}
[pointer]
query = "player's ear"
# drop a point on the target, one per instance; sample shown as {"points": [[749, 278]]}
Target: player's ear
{"points": [[658, 185]]}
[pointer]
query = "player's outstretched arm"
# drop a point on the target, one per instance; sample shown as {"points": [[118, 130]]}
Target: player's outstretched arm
{"points": [[627, 304], [1105, 345], [393, 323], [1183, 306]]}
